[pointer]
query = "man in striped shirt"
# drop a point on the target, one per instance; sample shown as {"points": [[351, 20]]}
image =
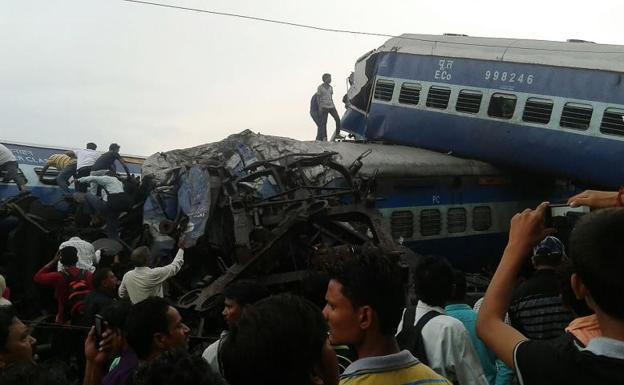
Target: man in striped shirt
{"points": [[365, 299], [536, 309], [65, 164]]}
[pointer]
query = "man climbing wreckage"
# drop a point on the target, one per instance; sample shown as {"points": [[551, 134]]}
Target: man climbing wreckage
{"points": [[250, 206]]}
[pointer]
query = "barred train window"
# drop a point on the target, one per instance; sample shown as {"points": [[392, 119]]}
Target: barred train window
{"points": [[613, 122], [410, 93], [456, 220], [402, 224], [384, 90], [481, 218], [469, 101], [576, 116], [502, 105], [537, 110], [430, 222], [438, 97]]}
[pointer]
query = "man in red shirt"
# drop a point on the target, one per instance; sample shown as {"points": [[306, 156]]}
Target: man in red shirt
{"points": [[49, 277]]}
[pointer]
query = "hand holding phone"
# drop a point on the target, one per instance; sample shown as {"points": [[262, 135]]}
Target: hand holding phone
{"points": [[100, 326], [562, 210]]}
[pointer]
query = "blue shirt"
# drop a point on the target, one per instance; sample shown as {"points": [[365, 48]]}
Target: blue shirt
{"points": [[468, 317]]}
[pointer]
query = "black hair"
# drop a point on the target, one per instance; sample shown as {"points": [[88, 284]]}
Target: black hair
{"points": [[370, 277], [245, 292], [145, 319], [107, 258], [279, 340], [459, 286], [597, 252], [113, 147], [325, 75], [91, 146], [179, 367], [116, 314], [7, 317], [578, 306], [433, 280], [69, 256], [100, 275]]}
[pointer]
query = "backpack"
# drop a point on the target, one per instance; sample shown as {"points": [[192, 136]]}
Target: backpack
{"points": [[77, 290], [410, 337]]}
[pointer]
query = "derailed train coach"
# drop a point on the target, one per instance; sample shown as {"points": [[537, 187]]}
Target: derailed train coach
{"points": [[267, 207], [544, 106]]}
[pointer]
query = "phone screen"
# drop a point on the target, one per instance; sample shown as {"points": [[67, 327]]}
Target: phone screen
{"points": [[99, 328]]}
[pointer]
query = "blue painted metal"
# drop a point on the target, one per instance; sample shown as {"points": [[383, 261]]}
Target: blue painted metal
{"points": [[573, 83], [537, 149], [587, 157]]}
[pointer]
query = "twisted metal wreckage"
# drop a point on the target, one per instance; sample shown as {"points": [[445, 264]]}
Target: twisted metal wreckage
{"points": [[249, 206]]}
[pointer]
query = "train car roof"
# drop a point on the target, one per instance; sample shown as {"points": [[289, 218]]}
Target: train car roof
{"points": [[136, 159], [386, 160], [574, 54]]}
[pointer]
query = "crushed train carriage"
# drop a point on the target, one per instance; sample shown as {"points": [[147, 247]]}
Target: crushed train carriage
{"points": [[267, 207]]}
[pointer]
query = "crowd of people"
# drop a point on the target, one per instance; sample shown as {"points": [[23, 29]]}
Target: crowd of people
{"points": [[563, 324]]}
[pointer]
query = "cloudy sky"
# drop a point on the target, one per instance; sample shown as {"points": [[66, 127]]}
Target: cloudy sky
{"points": [[154, 79]]}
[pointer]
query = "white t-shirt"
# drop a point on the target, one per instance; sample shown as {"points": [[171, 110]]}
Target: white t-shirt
{"points": [[6, 155], [324, 92], [448, 347], [86, 158]]}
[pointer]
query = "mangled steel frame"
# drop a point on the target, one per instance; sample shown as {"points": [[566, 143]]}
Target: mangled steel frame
{"points": [[317, 218]]}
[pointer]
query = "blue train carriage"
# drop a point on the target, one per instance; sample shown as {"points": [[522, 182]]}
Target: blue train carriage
{"points": [[443, 205], [549, 107], [31, 158]]}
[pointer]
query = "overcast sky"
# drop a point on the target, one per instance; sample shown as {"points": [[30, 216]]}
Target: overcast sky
{"points": [[154, 79]]}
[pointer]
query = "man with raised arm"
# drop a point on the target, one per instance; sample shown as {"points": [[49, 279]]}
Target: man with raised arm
{"points": [[144, 281], [596, 250]]}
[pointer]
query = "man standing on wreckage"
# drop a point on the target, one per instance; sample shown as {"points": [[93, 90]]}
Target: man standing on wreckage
{"points": [[110, 205]]}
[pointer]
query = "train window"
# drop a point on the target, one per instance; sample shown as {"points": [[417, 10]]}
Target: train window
{"points": [[456, 220], [430, 222], [537, 110], [613, 122], [402, 224], [410, 93], [384, 90], [50, 173], [438, 97], [481, 218], [576, 116], [469, 101], [502, 105]]}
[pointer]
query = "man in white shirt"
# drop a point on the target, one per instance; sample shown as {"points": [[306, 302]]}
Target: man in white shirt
{"points": [[84, 162], [326, 106], [448, 348], [144, 281], [86, 254], [8, 164], [110, 205]]}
